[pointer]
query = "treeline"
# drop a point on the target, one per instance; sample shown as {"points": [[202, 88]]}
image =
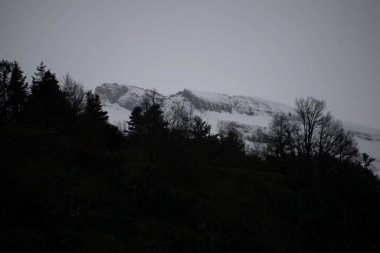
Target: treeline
{"points": [[44, 101], [181, 138], [309, 134], [72, 182], [64, 105]]}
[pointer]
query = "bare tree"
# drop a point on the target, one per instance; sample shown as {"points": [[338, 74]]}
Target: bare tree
{"points": [[282, 134], [348, 147], [311, 132], [334, 141], [151, 98], [180, 116], [311, 116], [75, 94]]}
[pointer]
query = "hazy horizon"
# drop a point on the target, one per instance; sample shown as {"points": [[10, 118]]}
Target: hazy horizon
{"points": [[276, 50]]}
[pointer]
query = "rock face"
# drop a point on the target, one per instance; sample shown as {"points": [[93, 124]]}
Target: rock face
{"points": [[125, 96], [111, 91], [248, 114]]}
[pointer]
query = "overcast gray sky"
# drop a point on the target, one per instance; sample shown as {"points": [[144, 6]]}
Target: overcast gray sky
{"points": [[277, 50]]}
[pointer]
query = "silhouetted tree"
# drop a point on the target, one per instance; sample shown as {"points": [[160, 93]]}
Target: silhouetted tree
{"points": [[93, 110], [154, 123], [182, 120], [367, 160], [199, 128], [310, 133], [333, 141], [311, 116], [17, 90], [151, 98], [135, 123], [48, 103], [38, 76], [232, 147], [75, 95], [281, 134], [94, 129], [5, 70], [180, 117], [147, 127]]}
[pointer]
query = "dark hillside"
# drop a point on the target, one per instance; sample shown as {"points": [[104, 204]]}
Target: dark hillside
{"points": [[71, 182], [60, 197]]}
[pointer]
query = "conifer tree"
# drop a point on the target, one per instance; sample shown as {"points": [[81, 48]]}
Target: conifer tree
{"points": [[93, 110], [154, 122], [38, 76], [48, 103], [154, 130], [17, 90], [5, 70], [135, 122]]}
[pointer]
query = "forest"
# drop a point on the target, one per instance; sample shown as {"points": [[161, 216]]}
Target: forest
{"points": [[73, 182]]}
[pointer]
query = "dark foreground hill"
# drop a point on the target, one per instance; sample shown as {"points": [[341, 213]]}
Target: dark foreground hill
{"points": [[63, 193], [72, 182]]}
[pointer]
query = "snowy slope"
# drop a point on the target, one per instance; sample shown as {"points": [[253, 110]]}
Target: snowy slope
{"points": [[368, 140], [116, 113], [247, 113]]}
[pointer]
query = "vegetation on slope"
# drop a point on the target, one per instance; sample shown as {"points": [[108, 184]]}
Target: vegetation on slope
{"points": [[73, 183]]}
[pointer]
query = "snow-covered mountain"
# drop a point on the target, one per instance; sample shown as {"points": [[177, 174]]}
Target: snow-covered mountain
{"points": [[248, 114]]}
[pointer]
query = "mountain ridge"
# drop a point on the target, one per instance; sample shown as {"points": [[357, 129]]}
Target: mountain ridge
{"points": [[247, 113]]}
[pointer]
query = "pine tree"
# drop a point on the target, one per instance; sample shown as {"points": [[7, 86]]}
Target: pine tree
{"points": [[5, 70], [94, 128], [154, 130], [17, 91], [135, 122], [38, 76], [35, 102], [148, 128], [48, 102], [93, 110], [154, 122]]}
